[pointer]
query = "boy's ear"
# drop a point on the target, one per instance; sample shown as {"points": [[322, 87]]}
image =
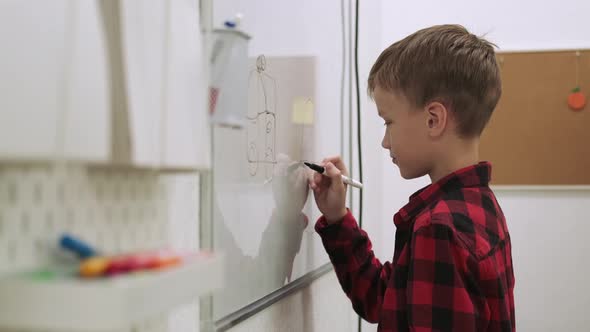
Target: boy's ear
{"points": [[437, 117]]}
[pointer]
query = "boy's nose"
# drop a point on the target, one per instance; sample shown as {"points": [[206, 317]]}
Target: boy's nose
{"points": [[385, 143]]}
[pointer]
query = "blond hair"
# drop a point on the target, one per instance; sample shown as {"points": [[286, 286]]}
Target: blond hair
{"points": [[443, 63]]}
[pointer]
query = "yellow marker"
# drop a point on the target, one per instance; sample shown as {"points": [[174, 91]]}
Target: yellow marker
{"points": [[94, 267], [303, 111]]}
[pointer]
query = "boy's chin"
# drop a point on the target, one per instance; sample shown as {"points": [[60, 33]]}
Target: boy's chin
{"points": [[409, 174]]}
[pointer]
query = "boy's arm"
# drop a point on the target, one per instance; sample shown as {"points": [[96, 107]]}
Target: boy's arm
{"points": [[362, 277], [437, 295]]}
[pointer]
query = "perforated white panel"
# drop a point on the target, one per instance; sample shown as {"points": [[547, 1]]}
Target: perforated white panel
{"points": [[115, 210]]}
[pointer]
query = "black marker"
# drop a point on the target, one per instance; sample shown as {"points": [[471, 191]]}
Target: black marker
{"points": [[345, 179]]}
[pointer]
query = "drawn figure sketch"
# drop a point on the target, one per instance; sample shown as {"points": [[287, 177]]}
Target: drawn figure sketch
{"points": [[262, 120]]}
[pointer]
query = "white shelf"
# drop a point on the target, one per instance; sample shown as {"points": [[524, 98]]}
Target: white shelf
{"points": [[105, 304]]}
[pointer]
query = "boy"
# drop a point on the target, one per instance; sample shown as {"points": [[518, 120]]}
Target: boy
{"points": [[452, 263]]}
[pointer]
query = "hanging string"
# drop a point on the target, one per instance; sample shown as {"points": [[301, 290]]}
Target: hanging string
{"points": [[577, 69]]}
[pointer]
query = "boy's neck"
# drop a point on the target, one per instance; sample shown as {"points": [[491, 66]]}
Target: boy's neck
{"points": [[463, 154]]}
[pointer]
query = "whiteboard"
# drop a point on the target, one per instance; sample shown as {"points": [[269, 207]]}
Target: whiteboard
{"points": [[263, 213]]}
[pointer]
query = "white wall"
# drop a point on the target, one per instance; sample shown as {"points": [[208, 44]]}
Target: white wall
{"points": [[548, 228], [551, 254], [514, 25]]}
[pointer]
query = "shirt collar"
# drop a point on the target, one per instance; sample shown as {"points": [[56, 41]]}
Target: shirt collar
{"points": [[477, 175]]}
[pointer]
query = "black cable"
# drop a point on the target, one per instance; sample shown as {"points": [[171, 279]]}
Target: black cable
{"points": [[350, 140], [358, 108], [342, 77], [358, 122]]}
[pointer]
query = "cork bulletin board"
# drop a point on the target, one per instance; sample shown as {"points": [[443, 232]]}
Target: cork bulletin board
{"points": [[534, 137]]}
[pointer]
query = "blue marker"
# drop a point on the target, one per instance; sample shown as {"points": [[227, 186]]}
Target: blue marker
{"points": [[77, 246]]}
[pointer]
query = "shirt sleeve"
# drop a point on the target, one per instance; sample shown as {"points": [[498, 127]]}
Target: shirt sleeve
{"points": [[362, 277], [437, 293]]}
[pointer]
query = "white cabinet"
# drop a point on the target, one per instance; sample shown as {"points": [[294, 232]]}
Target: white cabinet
{"points": [[166, 84], [103, 83], [143, 31], [87, 119], [53, 87]]}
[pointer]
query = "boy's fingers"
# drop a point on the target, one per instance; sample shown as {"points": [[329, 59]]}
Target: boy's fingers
{"points": [[334, 159], [317, 178], [317, 189], [333, 172], [337, 161]]}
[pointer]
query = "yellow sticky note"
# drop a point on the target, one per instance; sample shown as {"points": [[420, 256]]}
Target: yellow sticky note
{"points": [[302, 111]]}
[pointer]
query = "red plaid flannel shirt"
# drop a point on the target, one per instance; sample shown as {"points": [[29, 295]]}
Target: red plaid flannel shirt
{"points": [[452, 264]]}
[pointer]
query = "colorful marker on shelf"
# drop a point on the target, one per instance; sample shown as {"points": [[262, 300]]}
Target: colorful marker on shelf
{"points": [[77, 246], [110, 266], [95, 265]]}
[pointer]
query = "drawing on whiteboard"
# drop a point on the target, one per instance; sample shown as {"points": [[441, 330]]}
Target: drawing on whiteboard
{"points": [[262, 120]]}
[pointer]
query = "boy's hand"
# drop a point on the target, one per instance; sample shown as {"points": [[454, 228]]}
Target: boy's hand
{"points": [[329, 190]]}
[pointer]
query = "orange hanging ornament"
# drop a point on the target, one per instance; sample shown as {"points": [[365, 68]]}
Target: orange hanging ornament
{"points": [[576, 100]]}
